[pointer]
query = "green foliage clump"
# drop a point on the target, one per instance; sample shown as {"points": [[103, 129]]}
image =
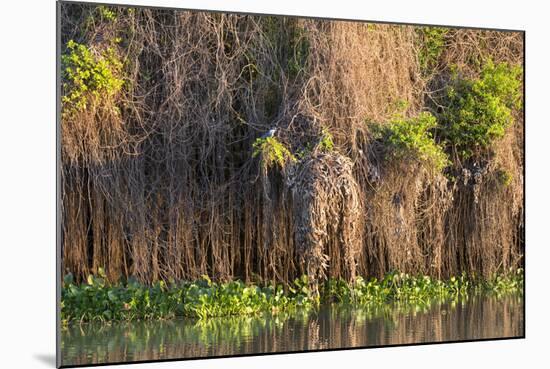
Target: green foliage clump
{"points": [[412, 139], [98, 300], [478, 111], [432, 42], [106, 13], [100, 14], [504, 283], [403, 287], [86, 75], [326, 143], [272, 152]]}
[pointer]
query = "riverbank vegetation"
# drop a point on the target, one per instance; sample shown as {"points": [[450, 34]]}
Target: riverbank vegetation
{"points": [[98, 300], [329, 327], [258, 149]]}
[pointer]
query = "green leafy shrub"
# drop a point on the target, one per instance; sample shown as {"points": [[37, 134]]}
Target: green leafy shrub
{"points": [[478, 111], [272, 152], [432, 42], [412, 139], [87, 75]]}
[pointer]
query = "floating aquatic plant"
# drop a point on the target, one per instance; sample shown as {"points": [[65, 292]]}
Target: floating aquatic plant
{"points": [[97, 300]]}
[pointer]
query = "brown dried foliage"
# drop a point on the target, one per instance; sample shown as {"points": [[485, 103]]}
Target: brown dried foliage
{"points": [[168, 188]]}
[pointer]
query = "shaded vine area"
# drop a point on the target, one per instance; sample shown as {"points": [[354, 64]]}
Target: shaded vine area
{"points": [[261, 149]]}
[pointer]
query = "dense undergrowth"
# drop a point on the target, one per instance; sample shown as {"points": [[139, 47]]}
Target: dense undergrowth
{"points": [[99, 300], [168, 173]]}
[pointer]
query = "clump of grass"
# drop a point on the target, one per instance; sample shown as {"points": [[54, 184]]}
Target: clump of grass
{"points": [[478, 111], [86, 75], [411, 138], [97, 300], [272, 152]]}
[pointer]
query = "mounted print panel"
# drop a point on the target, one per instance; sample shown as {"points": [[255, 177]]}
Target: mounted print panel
{"points": [[244, 184]]}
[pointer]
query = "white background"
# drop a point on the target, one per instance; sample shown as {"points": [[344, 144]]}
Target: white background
{"points": [[27, 183]]}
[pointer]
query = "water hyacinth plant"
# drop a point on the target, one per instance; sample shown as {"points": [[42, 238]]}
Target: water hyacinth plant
{"points": [[98, 300], [404, 287]]}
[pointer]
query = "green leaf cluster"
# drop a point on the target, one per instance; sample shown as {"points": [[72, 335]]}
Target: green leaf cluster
{"points": [[100, 14], [272, 152], [326, 142], [98, 300], [478, 111], [432, 42], [403, 287], [107, 13], [87, 75], [412, 139]]}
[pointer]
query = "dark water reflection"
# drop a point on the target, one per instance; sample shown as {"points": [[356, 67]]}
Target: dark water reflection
{"points": [[330, 327]]}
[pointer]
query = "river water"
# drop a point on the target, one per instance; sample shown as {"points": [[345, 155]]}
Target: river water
{"points": [[331, 327]]}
